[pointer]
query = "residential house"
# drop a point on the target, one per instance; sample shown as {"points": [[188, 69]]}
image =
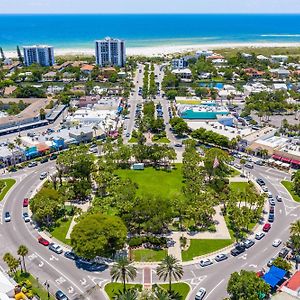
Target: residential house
{"points": [[183, 74], [179, 63], [50, 76]]}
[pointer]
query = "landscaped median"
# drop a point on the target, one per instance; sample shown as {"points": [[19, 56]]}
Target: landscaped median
{"points": [[114, 288], [5, 186], [290, 187]]}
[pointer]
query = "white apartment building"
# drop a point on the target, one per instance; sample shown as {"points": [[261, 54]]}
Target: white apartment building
{"points": [[110, 52], [40, 54]]}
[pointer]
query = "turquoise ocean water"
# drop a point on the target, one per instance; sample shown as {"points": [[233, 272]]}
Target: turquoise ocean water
{"points": [[79, 31]]}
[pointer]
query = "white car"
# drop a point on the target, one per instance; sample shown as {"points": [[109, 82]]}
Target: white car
{"points": [[276, 243], [55, 248], [43, 175], [238, 166], [265, 189], [200, 294], [259, 235], [270, 195], [205, 262]]}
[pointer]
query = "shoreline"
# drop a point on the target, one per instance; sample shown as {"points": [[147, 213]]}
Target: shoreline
{"points": [[166, 50]]}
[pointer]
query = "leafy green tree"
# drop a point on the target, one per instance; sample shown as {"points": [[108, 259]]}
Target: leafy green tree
{"points": [[22, 252], [98, 235], [170, 269], [296, 182], [12, 263], [246, 285], [282, 263], [179, 125], [123, 270]]}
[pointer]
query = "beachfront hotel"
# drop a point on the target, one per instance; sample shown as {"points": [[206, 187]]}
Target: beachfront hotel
{"points": [[39, 54], [110, 52]]}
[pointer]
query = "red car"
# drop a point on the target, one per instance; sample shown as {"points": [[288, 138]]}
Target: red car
{"points": [[43, 241], [267, 227], [25, 202]]}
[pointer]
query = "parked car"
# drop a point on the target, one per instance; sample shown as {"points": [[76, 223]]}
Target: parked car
{"points": [[279, 198], [270, 195], [272, 210], [265, 189], [267, 227], [238, 166], [283, 252], [259, 162], [260, 182], [276, 242], [44, 160], [43, 175], [53, 156], [205, 262], [26, 217], [271, 218], [25, 202], [32, 164], [238, 250], [43, 241], [59, 295], [249, 166], [70, 255], [56, 248], [221, 257], [7, 217], [259, 235], [272, 202], [248, 243], [127, 134], [178, 145], [90, 266], [270, 262], [200, 294]]}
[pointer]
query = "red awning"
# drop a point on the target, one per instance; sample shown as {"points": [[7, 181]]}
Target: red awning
{"points": [[276, 156], [284, 159], [296, 162]]}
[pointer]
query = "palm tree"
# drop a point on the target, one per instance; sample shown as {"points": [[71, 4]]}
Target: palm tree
{"points": [[295, 228], [170, 268], [123, 270], [131, 294], [23, 251], [11, 262]]}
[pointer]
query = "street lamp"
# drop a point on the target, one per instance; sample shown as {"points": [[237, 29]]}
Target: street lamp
{"points": [[47, 285]]}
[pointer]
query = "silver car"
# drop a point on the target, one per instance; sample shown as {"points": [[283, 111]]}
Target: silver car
{"points": [[200, 294]]}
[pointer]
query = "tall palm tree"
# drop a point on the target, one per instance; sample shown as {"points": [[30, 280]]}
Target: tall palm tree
{"points": [[295, 228], [11, 262], [23, 251], [123, 270], [131, 294], [170, 268]]}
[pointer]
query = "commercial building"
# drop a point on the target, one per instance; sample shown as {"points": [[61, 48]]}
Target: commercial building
{"points": [[179, 63], [110, 52], [39, 54]]}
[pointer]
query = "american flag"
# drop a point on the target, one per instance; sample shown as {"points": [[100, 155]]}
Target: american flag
{"points": [[216, 163]]}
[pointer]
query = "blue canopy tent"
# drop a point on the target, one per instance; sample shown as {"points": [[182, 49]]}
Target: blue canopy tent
{"points": [[274, 276]]}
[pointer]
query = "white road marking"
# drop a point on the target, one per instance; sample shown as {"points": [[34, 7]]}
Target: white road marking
{"points": [[193, 273], [265, 250], [83, 281], [32, 256], [253, 266], [53, 258], [214, 288], [70, 290], [41, 264], [60, 280]]}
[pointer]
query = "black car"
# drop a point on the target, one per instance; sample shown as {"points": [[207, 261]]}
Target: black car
{"points": [[90, 266], [59, 295], [272, 209], [70, 255], [237, 250], [44, 160], [260, 182], [53, 156], [283, 252]]}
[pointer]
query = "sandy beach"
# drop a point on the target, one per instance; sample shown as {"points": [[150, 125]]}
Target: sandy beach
{"points": [[165, 50]]}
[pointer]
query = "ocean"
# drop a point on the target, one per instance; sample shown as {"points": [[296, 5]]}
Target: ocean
{"points": [[80, 31]]}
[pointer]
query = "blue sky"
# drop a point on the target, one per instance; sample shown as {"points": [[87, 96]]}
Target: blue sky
{"points": [[149, 6]]}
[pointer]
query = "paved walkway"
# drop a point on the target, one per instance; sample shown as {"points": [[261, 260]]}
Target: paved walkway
{"points": [[175, 250], [147, 278]]}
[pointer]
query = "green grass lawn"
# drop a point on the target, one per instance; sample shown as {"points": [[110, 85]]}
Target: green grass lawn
{"points": [[201, 247], [156, 182], [161, 140], [148, 255], [238, 186], [60, 231], [8, 185], [289, 186], [113, 288], [234, 172], [180, 287], [132, 140], [37, 287]]}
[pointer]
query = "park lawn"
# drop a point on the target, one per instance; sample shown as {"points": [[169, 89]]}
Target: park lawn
{"points": [[8, 185], [234, 172], [205, 246], [37, 287], [180, 287], [164, 140], [60, 231], [148, 255], [238, 186], [113, 288], [132, 140], [289, 186], [156, 182]]}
